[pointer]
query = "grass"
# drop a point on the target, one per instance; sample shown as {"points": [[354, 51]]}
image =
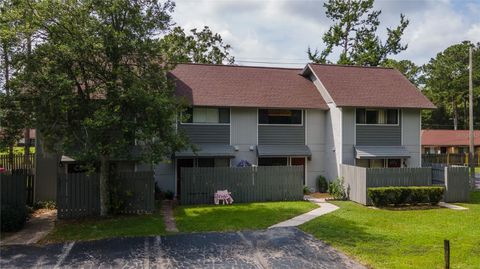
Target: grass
{"points": [[116, 226], [237, 216], [402, 239]]}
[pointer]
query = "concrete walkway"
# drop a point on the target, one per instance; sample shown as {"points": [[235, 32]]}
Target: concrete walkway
{"points": [[325, 208], [450, 206], [37, 227], [167, 211]]}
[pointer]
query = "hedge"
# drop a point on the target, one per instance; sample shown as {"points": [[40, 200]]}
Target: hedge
{"points": [[384, 196]]}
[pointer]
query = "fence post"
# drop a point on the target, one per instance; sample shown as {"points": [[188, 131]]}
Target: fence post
{"points": [[446, 249]]}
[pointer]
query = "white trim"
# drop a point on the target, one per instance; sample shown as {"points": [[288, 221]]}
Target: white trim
{"points": [[401, 130], [330, 99], [305, 128], [257, 129], [230, 124], [206, 123], [355, 131]]}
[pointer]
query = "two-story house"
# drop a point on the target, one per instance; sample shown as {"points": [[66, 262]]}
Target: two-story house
{"points": [[319, 117]]}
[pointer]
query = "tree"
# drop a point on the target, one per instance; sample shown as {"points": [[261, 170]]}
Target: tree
{"points": [[199, 47], [98, 84], [408, 68], [354, 32], [446, 84]]}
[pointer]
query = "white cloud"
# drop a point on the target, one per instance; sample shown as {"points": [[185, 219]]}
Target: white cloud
{"points": [[281, 31]]}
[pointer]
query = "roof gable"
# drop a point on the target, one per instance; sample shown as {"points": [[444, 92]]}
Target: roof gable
{"points": [[241, 86], [357, 86]]}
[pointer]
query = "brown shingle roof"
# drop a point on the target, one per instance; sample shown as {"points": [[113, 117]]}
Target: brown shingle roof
{"points": [[356, 86], [448, 138], [242, 86]]}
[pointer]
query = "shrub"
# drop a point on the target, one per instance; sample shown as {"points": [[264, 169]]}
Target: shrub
{"points": [[45, 204], [306, 190], [384, 196], [322, 184], [13, 218], [336, 189], [169, 195]]}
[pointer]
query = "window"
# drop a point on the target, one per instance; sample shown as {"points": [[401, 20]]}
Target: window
{"points": [[279, 116], [379, 163], [205, 162], [272, 161], [207, 115], [377, 116]]}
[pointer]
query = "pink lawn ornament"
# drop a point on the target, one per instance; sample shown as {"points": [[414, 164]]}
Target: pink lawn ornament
{"points": [[224, 196]]}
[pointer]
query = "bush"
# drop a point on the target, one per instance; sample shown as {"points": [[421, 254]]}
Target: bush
{"points": [[169, 195], [385, 196], [322, 184], [45, 204], [306, 190], [336, 189], [13, 218]]}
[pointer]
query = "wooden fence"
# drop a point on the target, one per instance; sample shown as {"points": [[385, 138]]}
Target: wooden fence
{"points": [[13, 189], [247, 184], [21, 164], [78, 194], [17, 162], [449, 159], [359, 179]]}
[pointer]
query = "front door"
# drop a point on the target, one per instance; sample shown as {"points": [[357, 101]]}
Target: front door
{"points": [[182, 163], [299, 161]]}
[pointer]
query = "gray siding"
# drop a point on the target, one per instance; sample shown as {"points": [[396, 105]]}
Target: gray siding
{"points": [[244, 134], [199, 133], [376, 135], [284, 135], [315, 130]]}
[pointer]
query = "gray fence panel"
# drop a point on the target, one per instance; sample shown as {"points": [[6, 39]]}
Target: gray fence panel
{"points": [[13, 189], [140, 191], [355, 183], [384, 177], [457, 184], [247, 184]]}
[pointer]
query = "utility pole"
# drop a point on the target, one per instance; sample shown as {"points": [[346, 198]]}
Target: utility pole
{"points": [[470, 112]]}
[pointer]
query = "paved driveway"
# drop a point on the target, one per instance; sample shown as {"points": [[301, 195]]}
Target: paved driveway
{"points": [[273, 248]]}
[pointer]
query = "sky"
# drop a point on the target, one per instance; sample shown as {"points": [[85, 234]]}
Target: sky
{"points": [[278, 33]]}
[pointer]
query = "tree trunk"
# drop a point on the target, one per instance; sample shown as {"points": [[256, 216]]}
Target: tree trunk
{"points": [[104, 172]]}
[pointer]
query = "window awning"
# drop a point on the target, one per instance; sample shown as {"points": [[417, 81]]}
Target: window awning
{"points": [[283, 150], [381, 152], [208, 150]]}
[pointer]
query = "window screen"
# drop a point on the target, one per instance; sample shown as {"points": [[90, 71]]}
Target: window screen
{"points": [[279, 116]]}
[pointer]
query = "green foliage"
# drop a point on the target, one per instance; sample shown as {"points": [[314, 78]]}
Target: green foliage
{"points": [[322, 184], [354, 31], [306, 190], [446, 85], [203, 47], [49, 204], [13, 218], [384, 196], [169, 195], [336, 189]]}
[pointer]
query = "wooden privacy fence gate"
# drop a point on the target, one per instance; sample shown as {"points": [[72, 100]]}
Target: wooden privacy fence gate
{"points": [[78, 194], [247, 184], [24, 165]]}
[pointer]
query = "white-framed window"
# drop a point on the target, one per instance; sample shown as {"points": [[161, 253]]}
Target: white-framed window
{"points": [[373, 116], [207, 115], [280, 116]]}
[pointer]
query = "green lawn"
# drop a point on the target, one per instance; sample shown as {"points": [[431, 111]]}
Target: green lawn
{"points": [[237, 216], [118, 226], [403, 239]]}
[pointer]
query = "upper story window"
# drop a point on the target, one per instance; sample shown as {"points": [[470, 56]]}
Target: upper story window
{"points": [[377, 116], [279, 116], [210, 115]]}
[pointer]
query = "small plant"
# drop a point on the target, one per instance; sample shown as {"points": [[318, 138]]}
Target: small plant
{"points": [[336, 189], [169, 195], [13, 218], [45, 204], [306, 190], [322, 184]]}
